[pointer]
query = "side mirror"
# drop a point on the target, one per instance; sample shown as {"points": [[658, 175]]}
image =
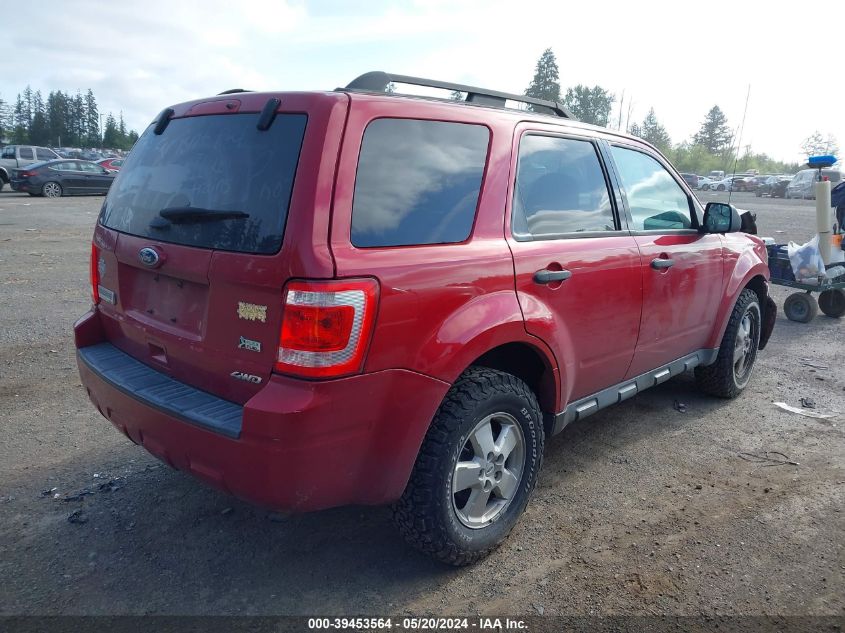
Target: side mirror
{"points": [[721, 218]]}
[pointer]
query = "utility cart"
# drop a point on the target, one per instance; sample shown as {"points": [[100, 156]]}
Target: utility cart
{"points": [[802, 306]]}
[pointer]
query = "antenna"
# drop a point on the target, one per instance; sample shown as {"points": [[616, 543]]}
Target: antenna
{"points": [[621, 106], [739, 142]]}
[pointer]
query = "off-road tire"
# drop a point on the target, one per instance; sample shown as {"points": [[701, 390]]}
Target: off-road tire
{"points": [[719, 379], [425, 514]]}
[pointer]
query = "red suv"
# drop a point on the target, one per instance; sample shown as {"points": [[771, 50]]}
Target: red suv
{"points": [[359, 297]]}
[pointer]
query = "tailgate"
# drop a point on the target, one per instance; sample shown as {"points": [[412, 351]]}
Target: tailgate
{"points": [[202, 317], [203, 227]]}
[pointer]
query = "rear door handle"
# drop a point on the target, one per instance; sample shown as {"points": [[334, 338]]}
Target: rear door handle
{"points": [[546, 276], [659, 263]]}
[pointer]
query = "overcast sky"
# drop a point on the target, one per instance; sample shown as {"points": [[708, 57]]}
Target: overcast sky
{"points": [[679, 57]]}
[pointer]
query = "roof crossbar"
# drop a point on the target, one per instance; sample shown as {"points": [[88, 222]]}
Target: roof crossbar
{"points": [[378, 81]]}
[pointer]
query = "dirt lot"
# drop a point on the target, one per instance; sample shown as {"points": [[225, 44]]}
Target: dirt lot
{"points": [[641, 509]]}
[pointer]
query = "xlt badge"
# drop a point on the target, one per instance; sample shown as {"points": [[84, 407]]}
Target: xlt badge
{"points": [[252, 312], [256, 380]]}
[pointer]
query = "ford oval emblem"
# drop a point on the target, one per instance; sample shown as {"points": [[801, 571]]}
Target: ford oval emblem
{"points": [[149, 257]]}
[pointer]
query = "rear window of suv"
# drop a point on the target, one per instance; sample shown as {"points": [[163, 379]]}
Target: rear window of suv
{"points": [[418, 182], [219, 165]]}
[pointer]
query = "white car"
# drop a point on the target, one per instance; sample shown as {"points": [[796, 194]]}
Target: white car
{"points": [[723, 185], [704, 183]]}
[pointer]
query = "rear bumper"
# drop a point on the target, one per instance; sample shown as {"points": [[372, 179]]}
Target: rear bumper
{"points": [[302, 445]]}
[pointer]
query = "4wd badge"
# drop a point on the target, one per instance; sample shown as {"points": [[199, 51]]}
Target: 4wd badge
{"points": [[252, 312]]}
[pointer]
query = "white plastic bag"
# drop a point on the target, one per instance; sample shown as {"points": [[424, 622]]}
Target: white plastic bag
{"points": [[806, 260]]}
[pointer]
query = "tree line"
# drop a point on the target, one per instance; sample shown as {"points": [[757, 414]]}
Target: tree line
{"points": [[62, 120], [713, 147]]}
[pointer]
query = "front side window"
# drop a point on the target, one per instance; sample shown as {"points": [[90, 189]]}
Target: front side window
{"points": [[44, 154], [418, 182], [560, 188], [655, 199]]}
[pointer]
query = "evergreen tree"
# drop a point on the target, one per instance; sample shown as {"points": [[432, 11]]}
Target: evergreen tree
{"points": [[92, 121], [545, 84], [6, 125], [653, 132], [57, 118], [591, 105], [111, 134], [76, 119], [28, 97], [39, 133], [714, 135], [20, 132], [636, 130]]}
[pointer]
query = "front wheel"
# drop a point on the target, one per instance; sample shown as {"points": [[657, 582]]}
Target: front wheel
{"points": [[51, 190], [729, 375], [720, 188], [476, 469]]}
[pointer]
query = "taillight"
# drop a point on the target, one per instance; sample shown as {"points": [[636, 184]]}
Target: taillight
{"points": [[27, 174], [95, 273], [326, 327]]}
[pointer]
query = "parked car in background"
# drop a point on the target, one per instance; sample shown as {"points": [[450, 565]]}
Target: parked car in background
{"points": [[303, 321], [725, 184], [803, 184], [704, 183], [112, 164], [772, 186], [691, 180], [755, 181], [743, 182], [14, 156], [62, 177]]}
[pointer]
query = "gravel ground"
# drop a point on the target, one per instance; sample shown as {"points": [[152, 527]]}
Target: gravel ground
{"points": [[641, 509]]}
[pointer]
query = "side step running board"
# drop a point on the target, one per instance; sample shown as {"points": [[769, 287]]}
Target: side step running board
{"points": [[587, 406]]}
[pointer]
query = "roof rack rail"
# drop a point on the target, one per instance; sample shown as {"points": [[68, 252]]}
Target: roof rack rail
{"points": [[378, 81], [233, 91]]}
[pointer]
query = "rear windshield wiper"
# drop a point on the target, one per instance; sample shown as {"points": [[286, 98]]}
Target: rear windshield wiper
{"points": [[193, 215]]}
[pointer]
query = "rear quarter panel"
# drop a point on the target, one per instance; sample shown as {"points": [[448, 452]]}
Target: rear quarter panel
{"points": [[442, 305]]}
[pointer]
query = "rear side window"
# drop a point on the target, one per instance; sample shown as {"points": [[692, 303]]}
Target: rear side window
{"points": [[656, 201], [560, 188], [221, 183], [418, 182], [27, 153]]}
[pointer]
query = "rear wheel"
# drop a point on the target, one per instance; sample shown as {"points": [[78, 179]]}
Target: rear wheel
{"points": [[475, 470], [832, 302], [51, 190], [729, 375], [800, 307], [720, 188]]}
